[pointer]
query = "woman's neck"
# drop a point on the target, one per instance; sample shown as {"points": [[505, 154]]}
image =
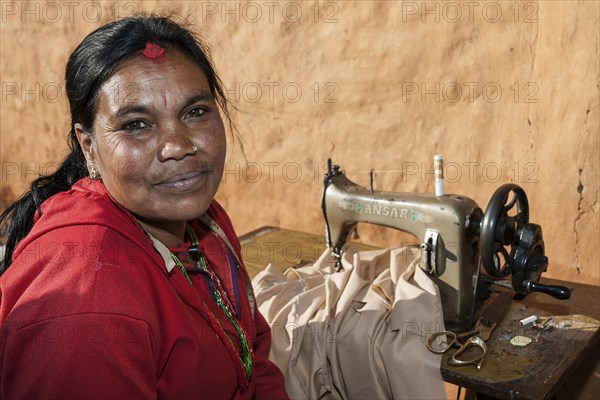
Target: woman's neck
{"points": [[171, 234]]}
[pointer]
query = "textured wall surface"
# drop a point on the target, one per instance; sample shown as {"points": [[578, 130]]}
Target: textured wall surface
{"points": [[507, 91]]}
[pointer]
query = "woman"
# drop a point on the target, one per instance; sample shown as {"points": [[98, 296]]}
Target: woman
{"points": [[122, 275]]}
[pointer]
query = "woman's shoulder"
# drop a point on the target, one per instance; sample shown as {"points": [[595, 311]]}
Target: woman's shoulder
{"points": [[82, 244], [81, 226], [75, 211], [80, 270], [86, 203]]}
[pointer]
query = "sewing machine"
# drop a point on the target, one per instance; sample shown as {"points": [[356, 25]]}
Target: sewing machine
{"points": [[456, 238]]}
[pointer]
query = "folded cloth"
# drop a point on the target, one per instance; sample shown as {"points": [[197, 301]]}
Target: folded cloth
{"points": [[355, 334]]}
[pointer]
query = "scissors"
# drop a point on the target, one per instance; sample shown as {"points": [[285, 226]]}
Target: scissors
{"points": [[485, 325]]}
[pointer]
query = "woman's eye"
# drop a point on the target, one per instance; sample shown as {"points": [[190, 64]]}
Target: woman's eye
{"points": [[196, 112], [135, 125]]}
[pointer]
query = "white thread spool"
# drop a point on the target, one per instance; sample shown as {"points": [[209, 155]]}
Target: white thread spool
{"points": [[528, 320], [438, 167]]}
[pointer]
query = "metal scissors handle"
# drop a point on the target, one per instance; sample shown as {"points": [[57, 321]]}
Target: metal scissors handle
{"points": [[472, 341], [443, 349]]}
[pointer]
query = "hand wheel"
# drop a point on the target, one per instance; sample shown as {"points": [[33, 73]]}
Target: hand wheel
{"points": [[503, 218]]}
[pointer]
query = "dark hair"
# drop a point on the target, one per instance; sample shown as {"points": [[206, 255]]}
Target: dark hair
{"points": [[89, 66]]}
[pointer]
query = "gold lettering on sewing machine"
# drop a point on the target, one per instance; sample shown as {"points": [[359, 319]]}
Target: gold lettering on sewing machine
{"points": [[384, 211]]}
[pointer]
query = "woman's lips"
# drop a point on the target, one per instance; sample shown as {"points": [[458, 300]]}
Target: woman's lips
{"points": [[184, 182]]}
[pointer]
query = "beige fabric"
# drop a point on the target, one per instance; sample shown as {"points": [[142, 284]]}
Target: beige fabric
{"points": [[354, 334]]}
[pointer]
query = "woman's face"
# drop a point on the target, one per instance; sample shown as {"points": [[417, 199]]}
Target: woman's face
{"points": [[157, 140]]}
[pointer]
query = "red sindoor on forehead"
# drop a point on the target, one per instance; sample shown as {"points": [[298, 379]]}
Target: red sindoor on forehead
{"points": [[153, 51]]}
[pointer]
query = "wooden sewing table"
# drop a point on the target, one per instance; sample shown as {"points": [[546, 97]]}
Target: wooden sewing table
{"points": [[561, 362]]}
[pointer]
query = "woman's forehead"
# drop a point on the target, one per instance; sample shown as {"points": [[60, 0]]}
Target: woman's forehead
{"points": [[141, 79], [142, 69]]}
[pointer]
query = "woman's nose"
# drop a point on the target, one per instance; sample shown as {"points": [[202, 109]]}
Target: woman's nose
{"points": [[175, 143]]}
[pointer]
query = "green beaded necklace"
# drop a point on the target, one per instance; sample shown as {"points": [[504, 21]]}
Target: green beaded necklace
{"points": [[246, 357]]}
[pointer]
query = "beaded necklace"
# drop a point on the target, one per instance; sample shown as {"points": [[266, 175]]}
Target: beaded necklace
{"points": [[244, 362]]}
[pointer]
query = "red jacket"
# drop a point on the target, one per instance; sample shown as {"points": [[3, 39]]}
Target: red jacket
{"points": [[88, 310]]}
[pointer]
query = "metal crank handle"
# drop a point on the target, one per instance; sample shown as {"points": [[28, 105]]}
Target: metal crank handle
{"points": [[559, 292], [473, 341]]}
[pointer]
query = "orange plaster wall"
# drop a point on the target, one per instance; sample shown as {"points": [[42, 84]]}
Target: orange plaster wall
{"points": [[506, 91]]}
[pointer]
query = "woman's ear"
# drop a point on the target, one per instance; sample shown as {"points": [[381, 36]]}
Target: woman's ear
{"points": [[85, 141]]}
